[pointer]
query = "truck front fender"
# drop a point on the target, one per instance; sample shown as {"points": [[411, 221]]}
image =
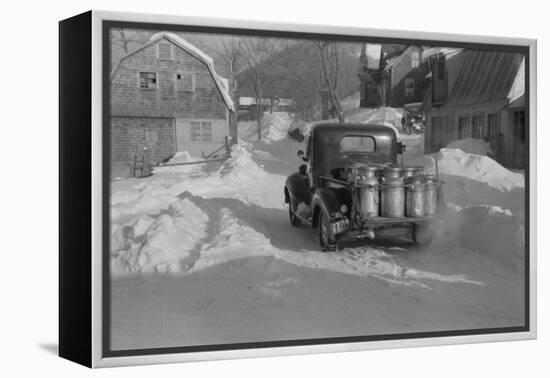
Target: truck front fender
{"points": [[297, 187], [324, 200]]}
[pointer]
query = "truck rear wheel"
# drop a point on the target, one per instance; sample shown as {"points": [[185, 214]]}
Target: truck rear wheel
{"points": [[327, 240]]}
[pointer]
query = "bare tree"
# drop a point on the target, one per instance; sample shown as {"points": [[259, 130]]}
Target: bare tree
{"points": [[125, 38], [296, 68], [300, 74], [258, 71], [124, 41], [323, 47], [231, 51]]}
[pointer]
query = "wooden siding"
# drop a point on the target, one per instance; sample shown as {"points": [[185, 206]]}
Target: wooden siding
{"points": [[479, 83], [127, 99], [401, 71], [200, 148], [146, 117], [509, 149], [131, 135]]}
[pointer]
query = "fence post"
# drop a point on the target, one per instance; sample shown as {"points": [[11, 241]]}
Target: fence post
{"points": [[227, 146]]}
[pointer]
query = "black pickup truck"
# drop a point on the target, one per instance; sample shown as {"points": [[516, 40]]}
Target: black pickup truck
{"points": [[330, 194]]}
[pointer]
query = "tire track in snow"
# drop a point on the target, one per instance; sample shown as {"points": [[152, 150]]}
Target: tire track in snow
{"points": [[237, 239]]}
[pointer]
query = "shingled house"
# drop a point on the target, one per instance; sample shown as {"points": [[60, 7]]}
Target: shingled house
{"points": [[406, 78], [478, 94], [166, 97]]}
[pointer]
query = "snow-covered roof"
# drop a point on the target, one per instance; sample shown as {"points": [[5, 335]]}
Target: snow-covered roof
{"points": [[486, 76], [221, 83], [448, 52], [518, 87], [392, 62], [285, 102], [249, 101]]}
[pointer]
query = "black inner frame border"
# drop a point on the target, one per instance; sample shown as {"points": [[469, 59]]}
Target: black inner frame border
{"points": [[106, 165]]}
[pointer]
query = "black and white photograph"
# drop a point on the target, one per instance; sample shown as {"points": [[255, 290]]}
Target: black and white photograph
{"points": [[288, 189], [275, 189]]}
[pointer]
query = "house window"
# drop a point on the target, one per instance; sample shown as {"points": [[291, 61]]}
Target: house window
{"points": [[201, 131], [148, 80], [477, 127], [164, 51], [206, 131], [409, 87], [415, 59], [195, 131], [463, 127], [518, 121], [185, 82]]}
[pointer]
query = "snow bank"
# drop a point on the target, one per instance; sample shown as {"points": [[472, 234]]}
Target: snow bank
{"points": [[277, 125], [196, 234], [240, 177], [472, 146], [158, 244], [274, 127], [383, 115], [351, 102], [476, 180], [453, 161], [178, 158], [132, 203], [478, 167]]}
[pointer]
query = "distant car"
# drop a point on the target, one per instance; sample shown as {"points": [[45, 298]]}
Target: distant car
{"points": [[332, 192], [413, 120]]}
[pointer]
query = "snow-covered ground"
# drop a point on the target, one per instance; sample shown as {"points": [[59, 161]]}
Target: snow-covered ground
{"points": [[206, 255], [274, 127]]}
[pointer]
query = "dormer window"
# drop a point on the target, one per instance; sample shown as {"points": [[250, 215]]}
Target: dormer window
{"points": [[164, 51]]}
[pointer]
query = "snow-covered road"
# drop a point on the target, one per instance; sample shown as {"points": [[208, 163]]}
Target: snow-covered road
{"points": [[202, 257]]}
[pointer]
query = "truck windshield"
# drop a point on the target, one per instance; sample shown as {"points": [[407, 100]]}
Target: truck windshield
{"points": [[337, 149], [357, 144]]}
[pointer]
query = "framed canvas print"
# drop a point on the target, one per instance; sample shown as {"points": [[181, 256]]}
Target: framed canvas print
{"points": [[234, 189]]}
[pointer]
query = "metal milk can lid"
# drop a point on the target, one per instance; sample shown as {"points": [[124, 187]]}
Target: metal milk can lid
{"points": [[429, 178]]}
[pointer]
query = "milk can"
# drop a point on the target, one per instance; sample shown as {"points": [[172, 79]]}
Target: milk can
{"points": [[430, 195], [368, 192], [414, 196], [411, 171], [392, 198]]}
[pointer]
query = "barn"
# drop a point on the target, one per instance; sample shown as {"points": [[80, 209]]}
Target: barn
{"points": [[478, 94], [166, 97]]}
